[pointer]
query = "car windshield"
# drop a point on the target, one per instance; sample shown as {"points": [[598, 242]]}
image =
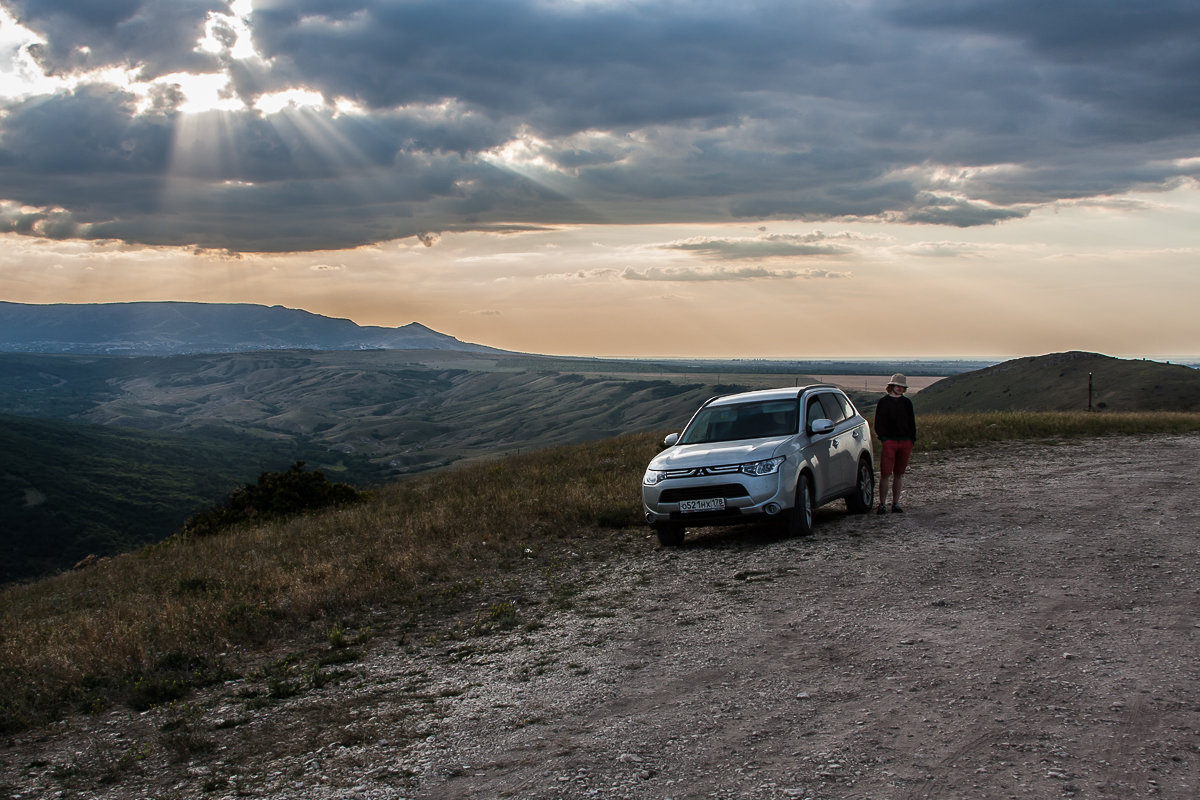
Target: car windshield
{"points": [[743, 421]]}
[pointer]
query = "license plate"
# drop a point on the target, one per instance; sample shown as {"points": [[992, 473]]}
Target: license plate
{"points": [[710, 504]]}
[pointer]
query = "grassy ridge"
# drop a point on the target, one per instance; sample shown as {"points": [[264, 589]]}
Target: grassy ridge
{"points": [[144, 627], [948, 431]]}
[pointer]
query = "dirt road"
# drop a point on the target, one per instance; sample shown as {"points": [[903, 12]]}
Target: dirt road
{"points": [[1028, 629]]}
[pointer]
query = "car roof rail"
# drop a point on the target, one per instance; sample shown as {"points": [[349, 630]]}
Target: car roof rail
{"points": [[800, 390]]}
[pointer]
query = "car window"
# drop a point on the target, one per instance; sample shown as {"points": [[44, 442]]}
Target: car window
{"points": [[833, 410], [742, 421], [846, 405], [815, 410]]}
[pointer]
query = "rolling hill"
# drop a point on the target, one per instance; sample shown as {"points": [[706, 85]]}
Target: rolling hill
{"points": [[1060, 382], [406, 411]]}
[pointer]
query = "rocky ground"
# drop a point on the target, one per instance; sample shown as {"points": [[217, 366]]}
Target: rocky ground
{"points": [[1028, 629]]}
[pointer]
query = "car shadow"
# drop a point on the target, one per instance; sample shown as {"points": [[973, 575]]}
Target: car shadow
{"points": [[761, 534]]}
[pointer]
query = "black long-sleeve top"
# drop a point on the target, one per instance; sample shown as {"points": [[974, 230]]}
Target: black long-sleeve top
{"points": [[894, 419]]}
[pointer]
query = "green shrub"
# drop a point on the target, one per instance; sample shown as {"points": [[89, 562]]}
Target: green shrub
{"points": [[146, 693], [276, 495]]}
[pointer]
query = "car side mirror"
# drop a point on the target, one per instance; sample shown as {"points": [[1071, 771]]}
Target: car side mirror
{"points": [[821, 426], [671, 439]]}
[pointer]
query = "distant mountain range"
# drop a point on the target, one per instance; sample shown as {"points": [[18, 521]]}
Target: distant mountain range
{"points": [[179, 328]]}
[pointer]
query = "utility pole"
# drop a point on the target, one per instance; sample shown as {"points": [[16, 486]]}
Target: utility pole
{"points": [[1089, 391]]}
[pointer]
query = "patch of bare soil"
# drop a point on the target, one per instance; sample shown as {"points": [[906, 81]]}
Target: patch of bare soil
{"points": [[1028, 629]]}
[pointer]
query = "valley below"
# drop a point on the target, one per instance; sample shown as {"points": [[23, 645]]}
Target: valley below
{"points": [[118, 451], [403, 411]]}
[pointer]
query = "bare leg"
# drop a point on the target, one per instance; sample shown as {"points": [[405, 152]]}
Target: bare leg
{"points": [[897, 480]]}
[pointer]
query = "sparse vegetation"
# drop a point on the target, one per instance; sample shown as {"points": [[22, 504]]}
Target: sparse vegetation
{"points": [[480, 545]]}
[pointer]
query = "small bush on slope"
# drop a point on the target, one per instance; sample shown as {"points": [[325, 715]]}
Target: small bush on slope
{"points": [[276, 495]]}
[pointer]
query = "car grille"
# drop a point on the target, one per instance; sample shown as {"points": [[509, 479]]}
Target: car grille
{"points": [[697, 472], [726, 490]]}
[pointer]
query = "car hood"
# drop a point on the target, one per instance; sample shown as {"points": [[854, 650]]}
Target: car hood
{"points": [[685, 456]]}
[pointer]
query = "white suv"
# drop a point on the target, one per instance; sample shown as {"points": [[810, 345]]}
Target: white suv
{"points": [[776, 453]]}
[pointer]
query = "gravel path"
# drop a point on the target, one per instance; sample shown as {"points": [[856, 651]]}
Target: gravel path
{"points": [[1028, 629]]}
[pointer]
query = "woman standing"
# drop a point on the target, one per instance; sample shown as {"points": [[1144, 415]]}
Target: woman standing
{"points": [[896, 426]]}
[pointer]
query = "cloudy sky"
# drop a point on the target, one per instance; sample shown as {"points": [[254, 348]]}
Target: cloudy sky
{"points": [[620, 177]]}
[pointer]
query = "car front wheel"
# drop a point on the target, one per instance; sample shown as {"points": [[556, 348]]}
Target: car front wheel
{"points": [[800, 520], [863, 497]]}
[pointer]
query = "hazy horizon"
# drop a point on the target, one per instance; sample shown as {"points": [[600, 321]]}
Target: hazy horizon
{"points": [[816, 358]]}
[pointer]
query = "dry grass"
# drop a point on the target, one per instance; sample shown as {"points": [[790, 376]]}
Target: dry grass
{"points": [[144, 627], [948, 431]]}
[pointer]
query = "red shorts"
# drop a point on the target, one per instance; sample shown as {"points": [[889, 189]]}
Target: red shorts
{"points": [[894, 457]]}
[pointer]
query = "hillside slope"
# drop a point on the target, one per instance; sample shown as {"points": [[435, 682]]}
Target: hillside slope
{"points": [[69, 490], [1059, 382]]}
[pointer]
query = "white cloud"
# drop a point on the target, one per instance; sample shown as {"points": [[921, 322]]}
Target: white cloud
{"points": [[692, 275]]}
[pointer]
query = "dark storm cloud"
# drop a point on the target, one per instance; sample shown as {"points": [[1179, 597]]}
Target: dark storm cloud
{"points": [[1134, 64], [954, 113], [158, 36], [93, 130]]}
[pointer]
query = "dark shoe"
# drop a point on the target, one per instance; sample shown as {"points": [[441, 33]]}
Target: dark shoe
{"points": [[897, 509], [881, 510]]}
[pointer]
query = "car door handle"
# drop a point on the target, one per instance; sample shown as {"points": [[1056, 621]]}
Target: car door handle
{"points": [[835, 443]]}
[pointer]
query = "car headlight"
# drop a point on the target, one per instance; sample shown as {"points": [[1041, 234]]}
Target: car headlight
{"points": [[652, 477], [766, 467]]}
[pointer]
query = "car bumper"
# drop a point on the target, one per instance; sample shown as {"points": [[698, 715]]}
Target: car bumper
{"points": [[745, 497]]}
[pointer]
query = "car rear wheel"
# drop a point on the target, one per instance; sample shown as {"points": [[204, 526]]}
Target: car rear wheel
{"points": [[863, 497], [670, 535], [800, 519]]}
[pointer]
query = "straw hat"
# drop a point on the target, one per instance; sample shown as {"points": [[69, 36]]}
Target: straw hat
{"points": [[898, 380]]}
